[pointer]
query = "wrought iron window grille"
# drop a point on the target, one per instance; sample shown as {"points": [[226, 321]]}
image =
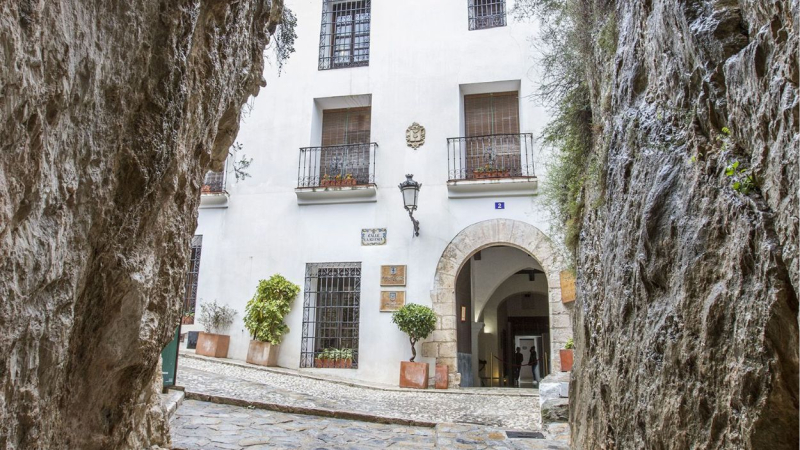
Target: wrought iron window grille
{"points": [[331, 311], [490, 156], [345, 34], [214, 182], [192, 276], [486, 14], [337, 165]]}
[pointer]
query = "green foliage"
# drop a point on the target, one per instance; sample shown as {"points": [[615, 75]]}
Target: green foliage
{"points": [[239, 164], [265, 312], [214, 317], [336, 354], [417, 321], [284, 38], [570, 344], [742, 180], [566, 47]]}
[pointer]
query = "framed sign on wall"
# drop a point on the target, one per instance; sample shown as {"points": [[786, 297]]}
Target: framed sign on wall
{"points": [[392, 300], [393, 275]]}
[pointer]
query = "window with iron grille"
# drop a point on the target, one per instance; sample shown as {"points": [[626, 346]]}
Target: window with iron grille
{"points": [[331, 315], [486, 14], [190, 293], [344, 35]]}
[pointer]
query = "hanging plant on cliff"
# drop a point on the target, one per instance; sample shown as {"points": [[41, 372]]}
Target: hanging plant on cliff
{"points": [[565, 42], [417, 321], [265, 312]]}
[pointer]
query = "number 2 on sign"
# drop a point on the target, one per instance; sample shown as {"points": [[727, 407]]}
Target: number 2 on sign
{"points": [[499, 205]]}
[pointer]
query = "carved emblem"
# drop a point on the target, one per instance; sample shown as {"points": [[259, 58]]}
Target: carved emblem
{"points": [[415, 136]]}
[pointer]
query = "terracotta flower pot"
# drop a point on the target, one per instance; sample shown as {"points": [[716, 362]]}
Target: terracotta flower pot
{"points": [[344, 363], [566, 359], [210, 344], [262, 354], [441, 376], [187, 320], [414, 375]]}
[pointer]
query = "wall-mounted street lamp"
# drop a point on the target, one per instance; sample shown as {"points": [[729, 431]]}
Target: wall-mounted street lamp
{"points": [[410, 191]]}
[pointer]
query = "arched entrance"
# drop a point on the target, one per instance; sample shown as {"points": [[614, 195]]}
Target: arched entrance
{"points": [[442, 344]]}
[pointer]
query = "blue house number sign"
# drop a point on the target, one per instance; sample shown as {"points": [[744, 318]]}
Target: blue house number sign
{"points": [[499, 205]]}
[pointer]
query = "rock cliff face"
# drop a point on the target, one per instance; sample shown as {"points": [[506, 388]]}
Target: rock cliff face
{"points": [[686, 323], [110, 114]]}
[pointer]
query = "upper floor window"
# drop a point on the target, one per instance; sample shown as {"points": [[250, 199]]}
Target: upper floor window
{"points": [[346, 126], [488, 114], [487, 14], [344, 37]]}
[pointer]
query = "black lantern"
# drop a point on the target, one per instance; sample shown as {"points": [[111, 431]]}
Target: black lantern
{"points": [[410, 191]]}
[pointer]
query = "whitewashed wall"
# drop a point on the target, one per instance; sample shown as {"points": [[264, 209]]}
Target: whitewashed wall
{"points": [[421, 54]]}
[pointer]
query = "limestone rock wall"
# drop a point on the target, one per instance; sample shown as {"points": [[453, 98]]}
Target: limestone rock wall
{"points": [[110, 114], [686, 324]]}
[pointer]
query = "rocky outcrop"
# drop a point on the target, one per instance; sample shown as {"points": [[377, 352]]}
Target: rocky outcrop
{"points": [[110, 114], [686, 323]]}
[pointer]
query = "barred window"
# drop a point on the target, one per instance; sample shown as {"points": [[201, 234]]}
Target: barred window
{"points": [[192, 277], [331, 310], [344, 35], [486, 14]]}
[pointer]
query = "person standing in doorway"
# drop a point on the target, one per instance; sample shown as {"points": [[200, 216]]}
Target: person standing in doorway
{"points": [[518, 358], [533, 361]]}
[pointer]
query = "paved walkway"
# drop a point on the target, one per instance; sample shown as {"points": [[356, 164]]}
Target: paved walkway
{"points": [[203, 378], [207, 426]]}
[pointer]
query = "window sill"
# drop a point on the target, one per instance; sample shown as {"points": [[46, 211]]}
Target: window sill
{"points": [[366, 193], [493, 187], [214, 200]]}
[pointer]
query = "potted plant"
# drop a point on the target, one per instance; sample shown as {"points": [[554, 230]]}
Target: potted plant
{"points": [[334, 358], [349, 180], [566, 355], [216, 319], [326, 180], [489, 171], [264, 316], [418, 322], [188, 318]]}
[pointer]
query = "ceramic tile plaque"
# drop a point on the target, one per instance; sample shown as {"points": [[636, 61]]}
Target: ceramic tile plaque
{"points": [[567, 287], [393, 275], [373, 236], [392, 300]]}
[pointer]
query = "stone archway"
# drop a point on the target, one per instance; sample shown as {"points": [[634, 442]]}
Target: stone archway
{"points": [[513, 233]]}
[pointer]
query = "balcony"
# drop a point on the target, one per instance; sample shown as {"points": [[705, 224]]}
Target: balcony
{"points": [[337, 174], [492, 165], [213, 193]]}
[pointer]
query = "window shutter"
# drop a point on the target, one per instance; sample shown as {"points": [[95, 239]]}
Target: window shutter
{"points": [[491, 115], [486, 114], [346, 126]]}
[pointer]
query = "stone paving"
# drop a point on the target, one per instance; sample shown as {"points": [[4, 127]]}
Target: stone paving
{"points": [[208, 426], [512, 412]]}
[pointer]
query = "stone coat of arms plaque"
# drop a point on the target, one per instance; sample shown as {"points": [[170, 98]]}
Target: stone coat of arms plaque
{"points": [[415, 136]]}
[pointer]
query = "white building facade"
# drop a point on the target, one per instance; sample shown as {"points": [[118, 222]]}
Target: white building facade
{"points": [[331, 138]]}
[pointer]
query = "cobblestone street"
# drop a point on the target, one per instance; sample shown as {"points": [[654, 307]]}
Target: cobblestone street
{"points": [[207, 426], [511, 409]]}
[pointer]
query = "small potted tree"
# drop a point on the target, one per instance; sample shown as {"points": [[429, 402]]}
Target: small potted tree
{"points": [[566, 355], [418, 322], [264, 316], [216, 319]]}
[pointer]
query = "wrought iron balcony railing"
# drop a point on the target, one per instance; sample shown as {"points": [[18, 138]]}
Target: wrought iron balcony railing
{"points": [[492, 156], [214, 183], [337, 165]]}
